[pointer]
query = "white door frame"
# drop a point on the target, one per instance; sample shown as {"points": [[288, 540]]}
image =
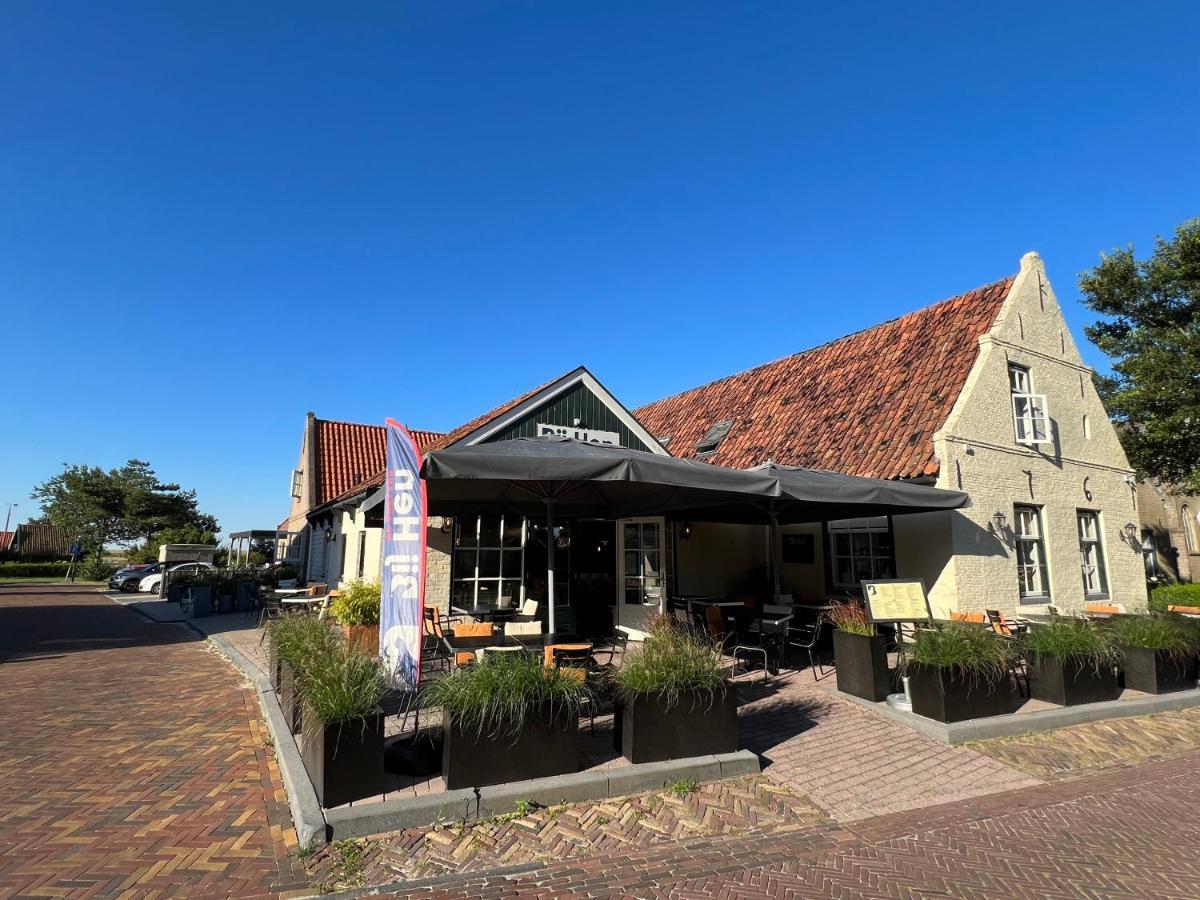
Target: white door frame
{"points": [[637, 620]]}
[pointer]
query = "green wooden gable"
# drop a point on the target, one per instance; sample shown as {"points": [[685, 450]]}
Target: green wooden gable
{"points": [[577, 404]]}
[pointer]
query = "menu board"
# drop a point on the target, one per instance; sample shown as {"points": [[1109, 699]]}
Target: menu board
{"points": [[896, 600]]}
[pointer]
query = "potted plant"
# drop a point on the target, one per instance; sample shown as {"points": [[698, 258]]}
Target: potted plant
{"points": [[1158, 653], [860, 653], [674, 701], [959, 671], [507, 718], [1069, 662], [342, 741], [356, 608], [295, 642]]}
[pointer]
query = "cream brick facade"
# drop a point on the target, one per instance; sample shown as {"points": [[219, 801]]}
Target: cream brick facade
{"points": [[1171, 518], [965, 563]]}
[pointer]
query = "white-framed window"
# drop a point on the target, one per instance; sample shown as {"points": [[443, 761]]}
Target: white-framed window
{"points": [[489, 561], [362, 553], [1033, 579], [1189, 528], [1031, 419], [1091, 553], [297, 482], [862, 550]]}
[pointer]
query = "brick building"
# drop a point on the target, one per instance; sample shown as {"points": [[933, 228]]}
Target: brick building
{"points": [[984, 393]]}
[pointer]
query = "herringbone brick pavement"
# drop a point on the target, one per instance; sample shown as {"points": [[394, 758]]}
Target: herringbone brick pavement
{"points": [[606, 828], [1069, 752], [1131, 832], [133, 760]]}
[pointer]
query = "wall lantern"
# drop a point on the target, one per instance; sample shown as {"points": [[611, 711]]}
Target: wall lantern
{"points": [[685, 530], [1130, 532], [999, 520], [447, 524]]}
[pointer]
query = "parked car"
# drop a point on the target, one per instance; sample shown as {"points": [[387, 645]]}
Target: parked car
{"points": [[126, 579], [151, 582]]}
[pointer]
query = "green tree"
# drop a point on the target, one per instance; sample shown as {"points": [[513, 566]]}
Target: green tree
{"points": [[1151, 330], [98, 507], [147, 551]]}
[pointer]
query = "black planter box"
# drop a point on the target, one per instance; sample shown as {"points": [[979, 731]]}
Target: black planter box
{"points": [[698, 724], [1070, 683], [289, 697], [1154, 672], [942, 695], [197, 601], [344, 760], [274, 668], [543, 748], [861, 665]]}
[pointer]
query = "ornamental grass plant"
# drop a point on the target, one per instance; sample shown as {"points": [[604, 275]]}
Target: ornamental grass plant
{"points": [[1178, 638], [497, 695], [301, 641], [1071, 640], [973, 654], [341, 685], [674, 660], [851, 618]]}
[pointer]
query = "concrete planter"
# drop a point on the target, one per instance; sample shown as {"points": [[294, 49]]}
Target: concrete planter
{"points": [[944, 696], [862, 665], [544, 747], [344, 760], [1070, 682], [364, 638], [698, 724], [1155, 672], [289, 697]]}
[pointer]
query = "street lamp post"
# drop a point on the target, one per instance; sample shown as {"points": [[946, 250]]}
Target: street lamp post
{"points": [[8, 515]]}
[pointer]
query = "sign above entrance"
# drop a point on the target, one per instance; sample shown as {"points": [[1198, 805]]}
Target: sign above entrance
{"points": [[587, 435], [897, 600]]}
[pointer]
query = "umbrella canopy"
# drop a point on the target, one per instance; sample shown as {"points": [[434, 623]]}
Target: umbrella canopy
{"points": [[582, 479], [814, 495]]}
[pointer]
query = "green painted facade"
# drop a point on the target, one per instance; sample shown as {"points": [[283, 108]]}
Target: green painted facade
{"points": [[577, 403]]}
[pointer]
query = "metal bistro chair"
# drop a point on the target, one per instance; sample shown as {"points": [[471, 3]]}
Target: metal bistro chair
{"points": [[574, 662], [270, 608], [619, 644], [1010, 631], [747, 644], [804, 636]]}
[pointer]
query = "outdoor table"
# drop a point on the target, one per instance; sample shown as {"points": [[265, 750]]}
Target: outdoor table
{"points": [[486, 613], [305, 602], [538, 641]]}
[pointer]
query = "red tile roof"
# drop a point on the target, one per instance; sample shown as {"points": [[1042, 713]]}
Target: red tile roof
{"points": [[40, 539], [349, 454], [866, 404], [6, 539]]}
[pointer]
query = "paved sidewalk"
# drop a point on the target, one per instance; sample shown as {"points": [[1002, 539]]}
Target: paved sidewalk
{"points": [[133, 759]]}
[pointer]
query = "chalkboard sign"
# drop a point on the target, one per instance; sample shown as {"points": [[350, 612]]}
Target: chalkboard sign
{"points": [[896, 600], [798, 549]]}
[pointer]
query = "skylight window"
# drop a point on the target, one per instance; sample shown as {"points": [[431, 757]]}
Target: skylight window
{"points": [[708, 444]]}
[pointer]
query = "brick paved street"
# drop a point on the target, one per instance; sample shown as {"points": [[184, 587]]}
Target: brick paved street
{"points": [[133, 760]]}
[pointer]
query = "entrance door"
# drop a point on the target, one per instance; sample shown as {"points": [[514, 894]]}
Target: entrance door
{"points": [[641, 579]]}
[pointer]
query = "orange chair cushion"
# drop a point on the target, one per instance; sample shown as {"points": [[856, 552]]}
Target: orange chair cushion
{"points": [[1185, 610], [1104, 608], [464, 658], [473, 629], [975, 618], [548, 653]]}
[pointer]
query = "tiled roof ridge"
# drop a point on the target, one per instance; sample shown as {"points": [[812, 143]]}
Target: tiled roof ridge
{"points": [[822, 346]]}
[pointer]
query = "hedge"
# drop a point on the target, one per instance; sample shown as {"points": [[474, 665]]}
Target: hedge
{"points": [[33, 569], [1174, 595]]}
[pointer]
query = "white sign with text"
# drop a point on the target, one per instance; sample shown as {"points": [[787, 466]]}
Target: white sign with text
{"points": [[589, 435]]}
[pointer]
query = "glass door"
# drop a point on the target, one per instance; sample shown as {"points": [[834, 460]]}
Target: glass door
{"points": [[641, 578]]}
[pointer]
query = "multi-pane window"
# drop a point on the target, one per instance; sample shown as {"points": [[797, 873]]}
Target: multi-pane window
{"points": [[1091, 553], [489, 559], [862, 550], [297, 482], [1032, 577], [1189, 529], [1031, 420], [362, 552], [641, 542]]}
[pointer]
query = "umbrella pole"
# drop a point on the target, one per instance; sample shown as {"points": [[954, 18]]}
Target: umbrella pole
{"points": [[550, 561], [775, 553]]}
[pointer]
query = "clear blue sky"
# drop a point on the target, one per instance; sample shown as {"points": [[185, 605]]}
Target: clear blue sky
{"points": [[216, 216]]}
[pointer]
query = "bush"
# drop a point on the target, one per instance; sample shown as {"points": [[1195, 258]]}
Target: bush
{"points": [[1071, 640], [1174, 595], [358, 604], [671, 661], [496, 695], [851, 618], [34, 570], [1172, 635], [972, 653], [92, 569]]}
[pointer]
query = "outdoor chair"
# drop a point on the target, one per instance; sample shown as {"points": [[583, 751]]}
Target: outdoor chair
{"points": [[528, 613], [1104, 609], [272, 608], [433, 647], [748, 644], [619, 643], [804, 636], [575, 662], [974, 618], [470, 629], [1004, 627]]}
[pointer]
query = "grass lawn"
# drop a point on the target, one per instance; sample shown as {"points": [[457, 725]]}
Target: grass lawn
{"points": [[45, 580]]}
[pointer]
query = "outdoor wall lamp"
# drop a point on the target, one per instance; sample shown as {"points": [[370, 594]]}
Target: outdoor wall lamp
{"points": [[685, 530], [997, 523], [447, 524], [1130, 532]]}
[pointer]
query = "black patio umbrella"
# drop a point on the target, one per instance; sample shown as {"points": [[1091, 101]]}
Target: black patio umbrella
{"points": [[549, 475]]}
